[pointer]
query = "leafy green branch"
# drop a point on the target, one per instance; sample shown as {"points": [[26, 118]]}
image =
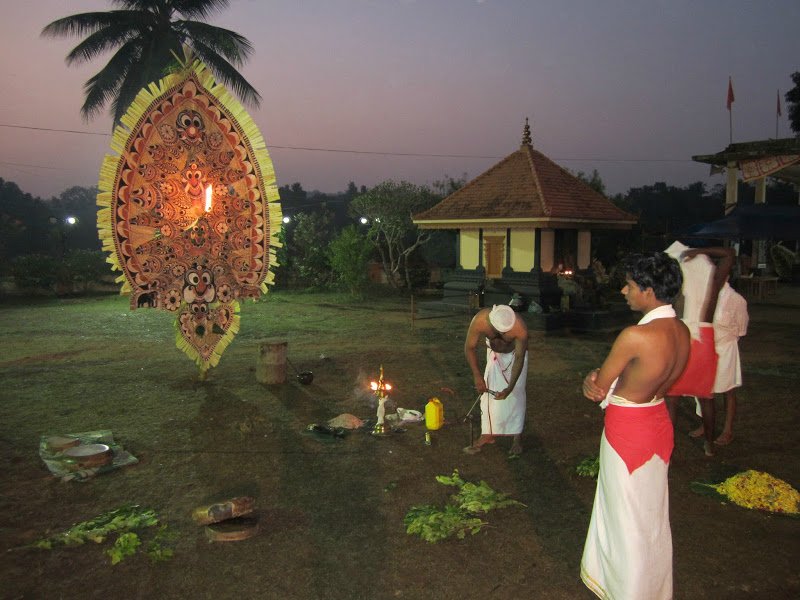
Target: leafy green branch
{"points": [[589, 467], [433, 523], [122, 521]]}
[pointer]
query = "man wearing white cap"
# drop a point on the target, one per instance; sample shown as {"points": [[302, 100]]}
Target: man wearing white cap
{"points": [[502, 385]]}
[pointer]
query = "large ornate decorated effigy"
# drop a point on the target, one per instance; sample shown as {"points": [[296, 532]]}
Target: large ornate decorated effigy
{"points": [[189, 208]]}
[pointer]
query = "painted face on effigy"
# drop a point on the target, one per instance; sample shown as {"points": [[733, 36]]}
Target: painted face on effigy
{"points": [[199, 286], [190, 127]]}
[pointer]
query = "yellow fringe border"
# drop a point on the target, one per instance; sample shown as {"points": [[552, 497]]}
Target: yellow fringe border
{"points": [[130, 124], [265, 174], [220, 347]]}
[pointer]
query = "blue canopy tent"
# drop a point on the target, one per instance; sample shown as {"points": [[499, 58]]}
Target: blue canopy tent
{"points": [[754, 222]]}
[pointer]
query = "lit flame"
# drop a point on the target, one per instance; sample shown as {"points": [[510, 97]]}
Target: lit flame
{"points": [[383, 386], [208, 198]]}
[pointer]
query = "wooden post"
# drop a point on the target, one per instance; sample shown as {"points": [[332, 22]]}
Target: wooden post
{"points": [[271, 364], [413, 311]]}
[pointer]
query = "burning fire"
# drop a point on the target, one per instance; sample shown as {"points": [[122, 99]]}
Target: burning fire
{"points": [[375, 386], [380, 387]]}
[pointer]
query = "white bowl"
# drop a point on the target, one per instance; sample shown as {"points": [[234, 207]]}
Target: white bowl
{"points": [[90, 455]]}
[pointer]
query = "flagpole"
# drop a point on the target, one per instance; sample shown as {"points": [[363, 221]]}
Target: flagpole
{"points": [[729, 105], [730, 124]]}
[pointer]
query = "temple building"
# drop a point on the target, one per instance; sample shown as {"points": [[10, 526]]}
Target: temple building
{"points": [[779, 158], [754, 162], [521, 224]]}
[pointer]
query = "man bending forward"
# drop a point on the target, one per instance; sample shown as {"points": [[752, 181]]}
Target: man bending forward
{"points": [[502, 385]]}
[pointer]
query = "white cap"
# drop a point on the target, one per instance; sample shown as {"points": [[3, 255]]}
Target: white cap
{"points": [[502, 317]]}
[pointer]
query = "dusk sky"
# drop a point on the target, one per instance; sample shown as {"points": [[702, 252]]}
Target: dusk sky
{"points": [[630, 88]]}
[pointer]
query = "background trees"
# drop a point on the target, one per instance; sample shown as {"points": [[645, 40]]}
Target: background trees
{"points": [[793, 103], [324, 240], [349, 255], [150, 37], [388, 207]]}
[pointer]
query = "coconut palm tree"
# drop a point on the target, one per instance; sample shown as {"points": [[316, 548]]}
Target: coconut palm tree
{"points": [[151, 37]]}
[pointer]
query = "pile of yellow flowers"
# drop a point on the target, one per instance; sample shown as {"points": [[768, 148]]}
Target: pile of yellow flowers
{"points": [[761, 491]]}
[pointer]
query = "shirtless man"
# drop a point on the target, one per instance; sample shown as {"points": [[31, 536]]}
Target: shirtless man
{"points": [[502, 385], [628, 550]]}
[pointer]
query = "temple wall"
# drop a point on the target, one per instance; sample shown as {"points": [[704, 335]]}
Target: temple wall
{"points": [[522, 250], [468, 248]]}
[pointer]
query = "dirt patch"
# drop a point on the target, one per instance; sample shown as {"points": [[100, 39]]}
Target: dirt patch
{"points": [[331, 510]]}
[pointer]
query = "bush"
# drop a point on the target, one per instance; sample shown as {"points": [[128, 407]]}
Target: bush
{"points": [[85, 267], [349, 254], [35, 271], [79, 268]]}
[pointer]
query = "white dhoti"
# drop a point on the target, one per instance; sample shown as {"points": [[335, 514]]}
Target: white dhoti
{"points": [[506, 416], [628, 551], [730, 323]]}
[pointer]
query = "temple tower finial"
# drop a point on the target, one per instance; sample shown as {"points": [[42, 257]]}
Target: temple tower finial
{"points": [[526, 134]]}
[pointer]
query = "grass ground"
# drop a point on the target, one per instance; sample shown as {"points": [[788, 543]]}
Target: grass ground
{"points": [[331, 511]]}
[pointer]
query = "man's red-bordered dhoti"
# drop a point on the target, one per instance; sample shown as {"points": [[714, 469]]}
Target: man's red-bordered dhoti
{"points": [[628, 550]]}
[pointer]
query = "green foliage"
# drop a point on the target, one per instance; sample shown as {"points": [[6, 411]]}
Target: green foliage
{"points": [[349, 256], [282, 258], [476, 498], [123, 521], [309, 248], [23, 223], [34, 271], [125, 546], [39, 271], [594, 181], [448, 185], [149, 37], [389, 206], [433, 523], [86, 267], [793, 103], [159, 549], [589, 467]]}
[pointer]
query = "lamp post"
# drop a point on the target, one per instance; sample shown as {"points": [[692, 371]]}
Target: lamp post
{"points": [[69, 221]]}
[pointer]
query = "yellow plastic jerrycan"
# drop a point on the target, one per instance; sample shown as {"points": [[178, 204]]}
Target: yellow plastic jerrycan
{"points": [[434, 414]]}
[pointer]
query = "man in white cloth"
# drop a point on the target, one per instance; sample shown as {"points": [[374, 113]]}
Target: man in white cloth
{"points": [[730, 323], [502, 385], [628, 550], [703, 279]]}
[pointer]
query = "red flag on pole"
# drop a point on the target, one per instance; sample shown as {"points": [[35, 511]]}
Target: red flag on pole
{"points": [[730, 93], [779, 103]]}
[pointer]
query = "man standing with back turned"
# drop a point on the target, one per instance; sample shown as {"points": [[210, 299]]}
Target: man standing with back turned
{"points": [[628, 550]]}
